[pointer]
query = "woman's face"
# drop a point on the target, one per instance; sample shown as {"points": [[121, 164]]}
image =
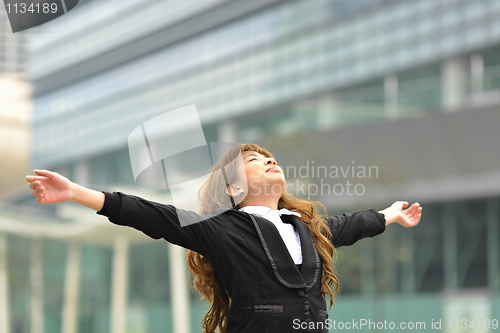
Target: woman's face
{"points": [[263, 175]]}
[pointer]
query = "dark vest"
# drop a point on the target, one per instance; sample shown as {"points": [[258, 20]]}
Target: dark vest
{"points": [[269, 293]]}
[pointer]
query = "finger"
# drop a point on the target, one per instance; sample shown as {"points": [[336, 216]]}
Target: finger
{"points": [[40, 199], [412, 210], [38, 191], [417, 206], [45, 173], [35, 184], [31, 178]]}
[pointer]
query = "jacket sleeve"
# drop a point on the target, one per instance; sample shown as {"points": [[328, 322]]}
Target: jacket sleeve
{"points": [[162, 221], [348, 228]]}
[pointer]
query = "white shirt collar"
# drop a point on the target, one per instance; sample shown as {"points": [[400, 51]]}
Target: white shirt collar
{"points": [[264, 210], [289, 235]]}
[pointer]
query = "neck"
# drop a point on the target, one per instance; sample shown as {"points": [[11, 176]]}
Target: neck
{"points": [[267, 201]]}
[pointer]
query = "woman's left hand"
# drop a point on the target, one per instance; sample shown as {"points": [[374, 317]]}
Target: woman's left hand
{"points": [[406, 217]]}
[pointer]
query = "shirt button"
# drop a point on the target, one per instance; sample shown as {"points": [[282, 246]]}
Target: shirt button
{"points": [[300, 293]]}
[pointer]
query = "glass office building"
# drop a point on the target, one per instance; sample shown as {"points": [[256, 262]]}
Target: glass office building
{"points": [[272, 72]]}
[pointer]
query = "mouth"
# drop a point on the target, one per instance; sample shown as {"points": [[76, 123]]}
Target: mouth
{"points": [[273, 168]]}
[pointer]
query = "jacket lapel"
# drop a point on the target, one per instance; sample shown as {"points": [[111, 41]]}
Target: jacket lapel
{"points": [[310, 258], [281, 262]]}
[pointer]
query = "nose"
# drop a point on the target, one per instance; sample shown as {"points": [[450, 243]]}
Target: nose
{"points": [[270, 161]]}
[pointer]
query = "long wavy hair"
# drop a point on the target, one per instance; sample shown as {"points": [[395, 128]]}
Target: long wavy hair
{"points": [[213, 195]]}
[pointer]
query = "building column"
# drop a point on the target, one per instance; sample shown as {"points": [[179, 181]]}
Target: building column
{"points": [[407, 256], [450, 247], [119, 285], [71, 289], [367, 274], [4, 286], [454, 83], [477, 74], [36, 294], [327, 116], [389, 273], [82, 173], [493, 247], [391, 88], [228, 131], [179, 289]]}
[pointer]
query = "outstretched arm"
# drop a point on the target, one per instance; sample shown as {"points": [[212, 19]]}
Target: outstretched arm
{"points": [[50, 187], [348, 228], [407, 218], [182, 227]]}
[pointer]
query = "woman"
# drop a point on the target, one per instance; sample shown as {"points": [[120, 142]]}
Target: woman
{"points": [[262, 257]]}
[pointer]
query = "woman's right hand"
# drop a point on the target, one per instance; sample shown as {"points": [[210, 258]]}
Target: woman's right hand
{"points": [[50, 187]]}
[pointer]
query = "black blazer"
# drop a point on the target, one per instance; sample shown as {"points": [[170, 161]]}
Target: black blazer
{"points": [[268, 292]]}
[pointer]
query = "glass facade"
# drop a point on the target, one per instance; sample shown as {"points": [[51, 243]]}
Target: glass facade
{"points": [[108, 24], [263, 60]]}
